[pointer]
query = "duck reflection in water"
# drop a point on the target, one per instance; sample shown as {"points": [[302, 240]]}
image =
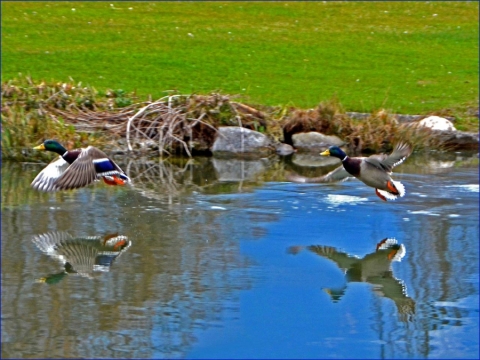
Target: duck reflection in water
{"points": [[86, 256], [374, 268]]}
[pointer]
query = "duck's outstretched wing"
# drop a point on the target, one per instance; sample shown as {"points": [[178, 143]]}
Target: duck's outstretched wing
{"points": [[343, 260], [90, 165], [50, 241], [398, 156], [390, 287], [82, 256], [388, 162], [104, 166], [46, 179], [81, 172], [337, 175]]}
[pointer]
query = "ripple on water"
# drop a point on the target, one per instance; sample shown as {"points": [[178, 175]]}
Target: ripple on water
{"points": [[467, 187], [423, 212], [217, 207], [336, 200], [469, 302]]}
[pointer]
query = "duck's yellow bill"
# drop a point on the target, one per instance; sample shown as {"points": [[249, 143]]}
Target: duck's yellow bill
{"points": [[325, 153], [39, 147]]}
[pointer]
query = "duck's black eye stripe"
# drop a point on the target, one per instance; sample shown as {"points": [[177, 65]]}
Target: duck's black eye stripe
{"points": [[103, 165]]}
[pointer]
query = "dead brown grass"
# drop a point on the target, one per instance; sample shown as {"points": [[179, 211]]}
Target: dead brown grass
{"points": [[78, 116], [378, 133]]}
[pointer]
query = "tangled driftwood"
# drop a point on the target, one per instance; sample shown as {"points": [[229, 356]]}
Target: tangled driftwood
{"points": [[164, 123], [172, 123]]}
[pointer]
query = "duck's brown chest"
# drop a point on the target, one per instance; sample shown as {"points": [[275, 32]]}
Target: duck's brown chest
{"points": [[352, 166], [71, 156]]}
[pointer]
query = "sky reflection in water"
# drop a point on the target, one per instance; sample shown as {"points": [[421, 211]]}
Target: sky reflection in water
{"points": [[252, 268]]}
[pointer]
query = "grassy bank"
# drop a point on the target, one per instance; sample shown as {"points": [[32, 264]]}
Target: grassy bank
{"points": [[79, 116], [407, 57]]}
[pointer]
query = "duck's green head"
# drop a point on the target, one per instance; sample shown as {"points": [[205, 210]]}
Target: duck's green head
{"points": [[334, 151], [52, 279], [51, 145]]}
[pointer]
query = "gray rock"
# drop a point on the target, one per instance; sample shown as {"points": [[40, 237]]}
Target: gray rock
{"points": [[238, 170], [284, 149], [314, 141], [401, 118], [358, 116], [235, 140], [457, 140]]}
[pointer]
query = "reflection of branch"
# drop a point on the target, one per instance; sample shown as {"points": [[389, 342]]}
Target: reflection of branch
{"points": [[159, 180]]}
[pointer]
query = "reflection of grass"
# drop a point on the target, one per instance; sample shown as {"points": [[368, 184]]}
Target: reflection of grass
{"points": [[410, 57], [15, 185]]}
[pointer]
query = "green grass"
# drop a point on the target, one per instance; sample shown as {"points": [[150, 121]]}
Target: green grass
{"points": [[408, 57]]}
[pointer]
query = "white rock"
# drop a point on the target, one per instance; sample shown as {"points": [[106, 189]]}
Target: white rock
{"points": [[437, 123]]}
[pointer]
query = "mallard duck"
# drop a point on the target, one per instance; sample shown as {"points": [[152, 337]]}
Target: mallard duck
{"points": [[374, 268], [373, 171], [80, 256], [77, 168]]}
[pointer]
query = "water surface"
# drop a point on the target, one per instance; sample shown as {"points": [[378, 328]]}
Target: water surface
{"points": [[226, 259]]}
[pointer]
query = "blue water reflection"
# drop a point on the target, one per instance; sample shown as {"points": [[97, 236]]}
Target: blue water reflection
{"points": [[210, 271], [289, 316]]}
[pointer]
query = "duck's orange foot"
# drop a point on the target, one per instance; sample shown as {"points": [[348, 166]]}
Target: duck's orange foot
{"points": [[392, 254], [380, 195], [113, 180], [392, 188], [119, 245], [119, 181]]}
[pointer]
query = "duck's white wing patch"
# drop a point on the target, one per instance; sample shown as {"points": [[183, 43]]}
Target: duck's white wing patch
{"points": [[45, 180]]}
